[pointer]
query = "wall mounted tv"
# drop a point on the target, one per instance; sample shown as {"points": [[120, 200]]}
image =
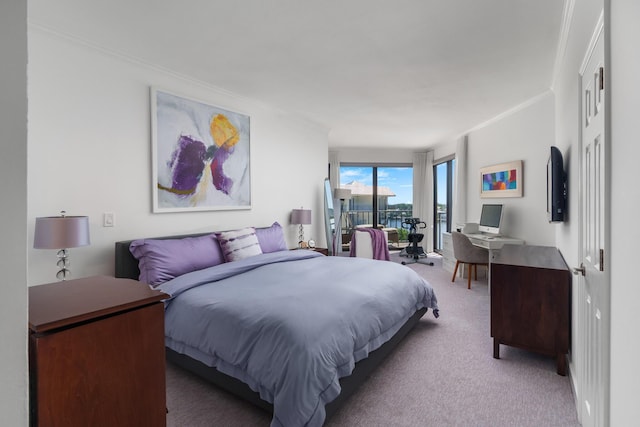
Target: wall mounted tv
{"points": [[556, 187]]}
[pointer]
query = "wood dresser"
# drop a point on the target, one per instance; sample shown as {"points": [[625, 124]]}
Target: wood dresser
{"points": [[531, 301], [96, 353]]}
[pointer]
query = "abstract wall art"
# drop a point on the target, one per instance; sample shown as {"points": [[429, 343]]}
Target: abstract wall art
{"points": [[503, 180], [200, 155]]}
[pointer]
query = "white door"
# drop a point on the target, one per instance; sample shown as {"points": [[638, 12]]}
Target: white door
{"points": [[592, 283]]}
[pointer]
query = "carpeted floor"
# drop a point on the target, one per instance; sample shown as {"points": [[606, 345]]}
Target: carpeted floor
{"points": [[442, 374]]}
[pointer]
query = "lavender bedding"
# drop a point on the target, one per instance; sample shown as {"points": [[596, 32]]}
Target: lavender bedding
{"points": [[291, 323]]}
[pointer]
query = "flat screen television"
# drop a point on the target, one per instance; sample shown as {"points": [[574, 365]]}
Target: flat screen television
{"points": [[556, 187], [490, 219]]}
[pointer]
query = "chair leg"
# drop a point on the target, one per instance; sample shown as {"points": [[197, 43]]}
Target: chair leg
{"points": [[469, 276], [455, 271], [475, 269]]}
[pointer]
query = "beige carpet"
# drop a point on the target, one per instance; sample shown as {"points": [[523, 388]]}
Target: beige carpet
{"points": [[442, 374]]}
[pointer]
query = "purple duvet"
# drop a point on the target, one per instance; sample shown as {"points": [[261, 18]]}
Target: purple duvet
{"points": [[290, 324]]}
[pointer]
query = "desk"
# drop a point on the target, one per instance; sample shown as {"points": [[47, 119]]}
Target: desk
{"points": [[493, 244]]}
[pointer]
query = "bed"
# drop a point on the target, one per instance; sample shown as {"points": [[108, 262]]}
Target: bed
{"points": [[291, 331]]}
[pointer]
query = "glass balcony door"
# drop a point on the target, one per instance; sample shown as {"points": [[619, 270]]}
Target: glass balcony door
{"points": [[443, 173], [381, 195]]}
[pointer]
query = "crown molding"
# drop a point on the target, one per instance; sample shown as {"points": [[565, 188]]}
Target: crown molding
{"points": [[567, 19]]}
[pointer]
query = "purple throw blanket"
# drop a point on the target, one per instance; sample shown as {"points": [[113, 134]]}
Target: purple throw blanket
{"points": [[378, 243]]}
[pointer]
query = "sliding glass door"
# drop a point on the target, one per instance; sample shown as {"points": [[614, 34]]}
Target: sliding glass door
{"points": [[443, 173], [381, 195]]}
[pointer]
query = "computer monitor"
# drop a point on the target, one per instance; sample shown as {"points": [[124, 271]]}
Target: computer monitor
{"points": [[490, 219]]}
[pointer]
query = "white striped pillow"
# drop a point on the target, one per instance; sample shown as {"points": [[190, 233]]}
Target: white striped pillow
{"points": [[239, 244]]}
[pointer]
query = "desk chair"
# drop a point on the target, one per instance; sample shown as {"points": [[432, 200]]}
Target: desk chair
{"points": [[466, 252]]}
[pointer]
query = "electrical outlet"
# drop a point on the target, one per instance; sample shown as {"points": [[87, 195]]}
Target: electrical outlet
{"points": [[109, 219]]}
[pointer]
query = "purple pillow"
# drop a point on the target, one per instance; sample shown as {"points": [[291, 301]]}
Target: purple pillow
{"points": [[271, 239], [160, 260]]}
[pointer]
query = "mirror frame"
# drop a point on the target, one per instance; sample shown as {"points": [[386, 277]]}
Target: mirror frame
{"points": [[329, 216]]}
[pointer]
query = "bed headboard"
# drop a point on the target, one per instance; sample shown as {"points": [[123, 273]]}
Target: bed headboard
{"points": [[127, 264]]}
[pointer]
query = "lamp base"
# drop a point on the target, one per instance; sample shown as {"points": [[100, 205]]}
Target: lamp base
{"points": [[63, 263], [301, 236], [62, 274]]}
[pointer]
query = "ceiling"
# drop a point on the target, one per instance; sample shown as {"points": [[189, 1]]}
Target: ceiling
{"points": [[393, 74]]}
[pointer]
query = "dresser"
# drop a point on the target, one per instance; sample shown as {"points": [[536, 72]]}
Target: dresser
{"points": [[531, 301], [96, 353]]}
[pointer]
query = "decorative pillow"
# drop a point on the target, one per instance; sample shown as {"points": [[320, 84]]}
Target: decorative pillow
{"points": [[239, 244], [160, 260], [271, 239]]}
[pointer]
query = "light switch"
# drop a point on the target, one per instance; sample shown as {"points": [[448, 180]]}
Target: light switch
{"points": [[109, 219]]}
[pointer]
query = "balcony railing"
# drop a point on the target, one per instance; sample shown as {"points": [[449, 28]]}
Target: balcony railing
{"points": [[390, 218], [441, 227]]}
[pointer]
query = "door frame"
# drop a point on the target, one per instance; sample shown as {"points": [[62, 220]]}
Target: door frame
{"points": [[579, 370], [450, 162]]}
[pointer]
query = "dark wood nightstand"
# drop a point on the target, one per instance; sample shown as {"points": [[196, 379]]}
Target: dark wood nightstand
{"points": [[323, 251], [96, 353]]}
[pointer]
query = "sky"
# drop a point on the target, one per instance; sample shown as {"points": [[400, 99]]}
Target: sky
{"points": [[398, 179]]}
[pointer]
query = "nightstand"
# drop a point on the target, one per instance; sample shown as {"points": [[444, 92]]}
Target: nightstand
{"points": [[96, 353], [323, 251]]}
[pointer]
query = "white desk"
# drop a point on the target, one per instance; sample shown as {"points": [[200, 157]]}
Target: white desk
{"points": [[493, 244]]}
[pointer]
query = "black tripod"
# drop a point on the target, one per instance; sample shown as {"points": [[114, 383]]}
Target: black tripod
{"points": [[414, 251]]}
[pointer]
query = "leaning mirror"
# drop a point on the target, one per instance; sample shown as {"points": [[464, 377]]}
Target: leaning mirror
{"points": [[329, 216]]}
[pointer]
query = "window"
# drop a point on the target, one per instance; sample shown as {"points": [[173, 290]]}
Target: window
{"points": [[381, 195], [443, 173]]}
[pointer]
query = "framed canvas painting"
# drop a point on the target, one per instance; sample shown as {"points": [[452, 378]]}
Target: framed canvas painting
{"points": [[200, 155], [503, 180]]}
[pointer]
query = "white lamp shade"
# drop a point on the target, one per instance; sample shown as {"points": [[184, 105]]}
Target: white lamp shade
{"points": [[301, 216], [61, 232], [342, 193]]}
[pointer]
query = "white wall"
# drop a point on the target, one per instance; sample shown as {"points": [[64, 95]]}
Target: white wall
{"points": [[444, 150], [391, 155], [89, 153], [525, 134], [13, 244], [625, 204], [375, 156]]}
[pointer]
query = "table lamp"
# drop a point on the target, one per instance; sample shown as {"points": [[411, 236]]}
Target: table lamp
{"points": [[61, 232], [301, 217]]}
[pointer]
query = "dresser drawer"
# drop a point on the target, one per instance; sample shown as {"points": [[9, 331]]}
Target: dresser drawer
{"points": [[447, 243]]}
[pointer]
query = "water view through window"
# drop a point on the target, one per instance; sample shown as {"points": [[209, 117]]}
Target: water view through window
{"points": [[380, 195]]}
